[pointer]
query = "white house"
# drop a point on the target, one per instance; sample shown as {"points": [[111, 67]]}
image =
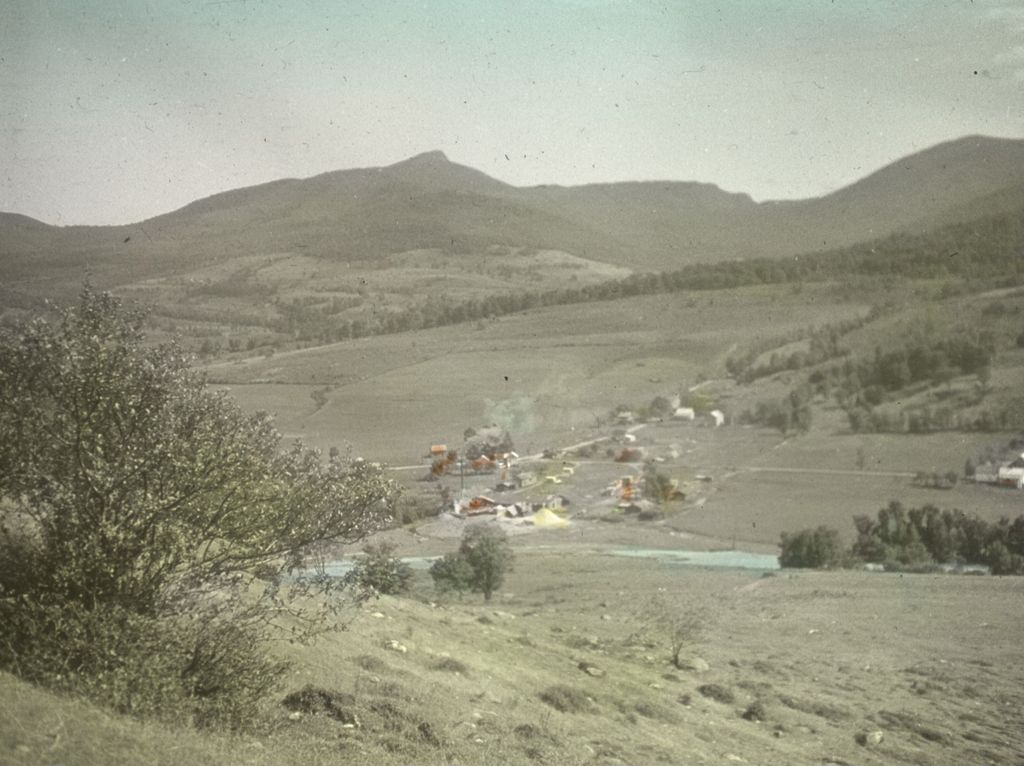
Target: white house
{"points": [[1012, 474], [684, 413]]}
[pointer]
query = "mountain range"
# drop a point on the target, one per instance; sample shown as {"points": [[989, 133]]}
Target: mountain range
{"points": [[430, 203]]}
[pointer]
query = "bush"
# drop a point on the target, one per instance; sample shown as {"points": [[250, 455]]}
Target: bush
{"points": [[755, 712], [380, 572], [717, 693], [567, 699], [204, 672], [483, 558], [811, 548], [314, 700], [451, 573], [139, 507]]}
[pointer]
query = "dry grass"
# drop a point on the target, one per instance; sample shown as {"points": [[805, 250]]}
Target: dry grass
{"points": [[930, 661]]}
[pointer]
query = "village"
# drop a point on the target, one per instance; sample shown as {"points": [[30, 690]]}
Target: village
{"points": [[612, 476], [656, 473]]}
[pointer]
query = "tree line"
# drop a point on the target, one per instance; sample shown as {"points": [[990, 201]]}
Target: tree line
{"points": [[989, 249], [914, 538]]}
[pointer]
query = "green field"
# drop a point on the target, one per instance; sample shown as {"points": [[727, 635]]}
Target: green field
{"points": [[556, 369]]}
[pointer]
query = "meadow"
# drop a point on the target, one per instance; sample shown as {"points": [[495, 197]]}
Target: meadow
{"points": [[546, 372], [568, 665]]}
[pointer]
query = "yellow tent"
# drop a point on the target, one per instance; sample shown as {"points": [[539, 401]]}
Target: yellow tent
{"points": [[547, 518]]}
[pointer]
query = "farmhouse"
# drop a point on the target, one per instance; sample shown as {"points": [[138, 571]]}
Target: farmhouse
{"points": [[482, 464], [1009, 474], [1012, 474], [476, 506]]}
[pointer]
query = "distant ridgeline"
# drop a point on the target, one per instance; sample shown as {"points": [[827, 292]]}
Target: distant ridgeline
{"points": [[989, 249]]}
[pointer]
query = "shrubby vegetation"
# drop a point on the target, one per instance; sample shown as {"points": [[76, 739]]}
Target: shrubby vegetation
{"points": [[380, 572], [148, 524], [823, 344], [792, 412], [818, 548], [916, 538], [871, 389]]}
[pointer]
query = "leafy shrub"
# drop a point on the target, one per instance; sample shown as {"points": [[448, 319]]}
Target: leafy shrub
{"points": [[207, 673], [380, 571], [451, 572], [811, 548], [138, 508]]}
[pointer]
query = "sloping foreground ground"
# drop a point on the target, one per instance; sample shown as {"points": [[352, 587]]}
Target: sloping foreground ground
{"points": [[564, 667]]}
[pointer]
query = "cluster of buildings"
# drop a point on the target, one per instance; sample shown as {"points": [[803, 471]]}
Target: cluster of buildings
{"points": [[1007, 474]]}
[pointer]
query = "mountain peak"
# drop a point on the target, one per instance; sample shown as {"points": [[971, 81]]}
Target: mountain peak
{"points": [[436, 170], [433, 158]]}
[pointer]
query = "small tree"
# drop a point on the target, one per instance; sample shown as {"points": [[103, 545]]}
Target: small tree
{"points": [[483, 558], [489, 556], [679, 624], [147, 522], [379, 571]]}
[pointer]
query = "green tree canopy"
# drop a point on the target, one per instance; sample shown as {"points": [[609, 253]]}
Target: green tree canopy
{"points": [[127, 484], [480, 564]]}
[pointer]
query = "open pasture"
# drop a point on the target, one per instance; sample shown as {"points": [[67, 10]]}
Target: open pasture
{"points": [[542, 374]]}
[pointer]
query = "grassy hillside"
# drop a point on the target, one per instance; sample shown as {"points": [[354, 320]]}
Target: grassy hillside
{"points": [[816, 661]]}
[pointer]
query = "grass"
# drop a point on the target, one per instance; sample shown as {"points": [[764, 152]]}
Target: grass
{"points": [[823, 667], [393, 396]]}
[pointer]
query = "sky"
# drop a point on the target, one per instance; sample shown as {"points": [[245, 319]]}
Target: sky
{"points": [[113, 111]]}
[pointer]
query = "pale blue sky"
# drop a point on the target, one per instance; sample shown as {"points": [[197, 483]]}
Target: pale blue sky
{"points": [[115, 111]]}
